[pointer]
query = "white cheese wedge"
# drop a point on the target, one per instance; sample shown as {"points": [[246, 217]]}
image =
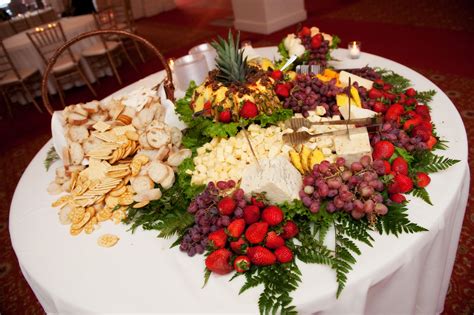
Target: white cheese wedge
{"points": [[353, 146], [356, 112], [344, 79], [277, 177]]}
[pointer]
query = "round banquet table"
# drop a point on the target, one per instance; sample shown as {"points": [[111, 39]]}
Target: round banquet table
{"points": [[404, 275], [25, 56]]}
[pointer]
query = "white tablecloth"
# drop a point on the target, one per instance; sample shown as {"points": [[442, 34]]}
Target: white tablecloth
{"points": [[404, 275], [24, 54]]}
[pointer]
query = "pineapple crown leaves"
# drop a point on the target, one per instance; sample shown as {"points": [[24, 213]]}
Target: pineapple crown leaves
{"points": [[230, 61]]}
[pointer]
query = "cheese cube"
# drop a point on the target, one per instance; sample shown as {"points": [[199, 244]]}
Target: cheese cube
{"points": [[353, 146]]}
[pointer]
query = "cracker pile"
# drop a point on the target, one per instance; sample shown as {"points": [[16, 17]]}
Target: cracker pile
{"points": [[117, 157]]}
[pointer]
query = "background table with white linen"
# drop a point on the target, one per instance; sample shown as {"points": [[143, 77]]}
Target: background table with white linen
{"points": [[24, 54], [404, 275], [140, 8]]}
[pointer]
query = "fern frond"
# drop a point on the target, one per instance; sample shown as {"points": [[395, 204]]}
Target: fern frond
{"points": [[422, 194], [428, 162], [396, 221]]}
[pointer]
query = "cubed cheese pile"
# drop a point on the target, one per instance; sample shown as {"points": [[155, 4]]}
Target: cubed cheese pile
{"points": [[224, 159]]}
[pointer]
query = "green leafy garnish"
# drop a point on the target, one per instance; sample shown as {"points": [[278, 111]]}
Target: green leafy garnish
{"points": [[425, 97], [422, 194], [428, 162], [398, 82], [51, 157]]}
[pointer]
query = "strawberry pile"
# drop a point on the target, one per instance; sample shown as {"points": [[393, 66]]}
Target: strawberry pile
{"points": [[403, 179], [407, 123], [257, 238]]}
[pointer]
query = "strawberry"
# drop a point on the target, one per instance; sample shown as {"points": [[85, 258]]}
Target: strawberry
{"points": [[422, 179], [401, 184], [261, 256], [248, 110], [379, 107], [226, 206], [427, 126], [374, 93], [398, 198], [272, 215], [274, 240], [207, 108], [400, 166], [282, 89], [217, 239], [388, 167], [251, 214], [387, 87], [257, 202], [316, 41], [431, 142], [242, 264], [422, 132], [276, 75], [236, 228], [411, 123], [284, 254], [410, 92], [290, 229], [402, 98], [219, 261], [378, 83], [239, 246], [423, 111], [383, 150], [389, 96], [305, 31], [411, 101], [225, 116], [394, 112], [256, 232]]}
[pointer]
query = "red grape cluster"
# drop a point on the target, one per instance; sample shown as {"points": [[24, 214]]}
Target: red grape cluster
{"points": [[207, 216], [391, 131], [309, 92], [355, 189], [366, 72]]}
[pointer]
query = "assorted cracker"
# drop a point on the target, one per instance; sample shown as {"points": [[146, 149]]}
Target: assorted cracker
{"points": [[117, 153]]}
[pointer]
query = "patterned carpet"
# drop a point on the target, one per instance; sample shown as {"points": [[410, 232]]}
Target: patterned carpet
{"points": [[432, 37]]}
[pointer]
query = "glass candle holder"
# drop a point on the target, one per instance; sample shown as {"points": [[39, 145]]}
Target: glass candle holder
{"points": [[190, 68], [209, 53], [354, 49]]}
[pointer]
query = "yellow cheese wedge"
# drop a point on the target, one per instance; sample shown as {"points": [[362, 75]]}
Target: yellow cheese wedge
{"points": [[343, 100], [304, 157], [355, 96], [316, 157], [296, 161]]}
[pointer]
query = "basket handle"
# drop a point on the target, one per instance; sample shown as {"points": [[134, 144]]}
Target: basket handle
{"points": [[168, 81]]}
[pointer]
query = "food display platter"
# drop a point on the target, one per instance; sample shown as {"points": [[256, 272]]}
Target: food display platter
{"points": [[141, 274]]}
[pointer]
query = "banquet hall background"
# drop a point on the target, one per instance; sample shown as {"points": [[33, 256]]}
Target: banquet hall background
{"points": [[432, 37]]}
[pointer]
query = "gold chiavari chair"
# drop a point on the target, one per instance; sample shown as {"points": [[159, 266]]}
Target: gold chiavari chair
{"points": [[106, 52], [48, 16], [68, 68], [19, 23], [14, 81], [126, 22]]}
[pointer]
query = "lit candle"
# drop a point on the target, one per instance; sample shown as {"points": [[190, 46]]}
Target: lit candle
{"points": [[37, 29], [354, 49]]}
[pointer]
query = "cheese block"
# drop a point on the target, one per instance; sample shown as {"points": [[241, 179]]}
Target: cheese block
{"points": [[354, 145], [344, 79], [356, 112], [280, 180]]}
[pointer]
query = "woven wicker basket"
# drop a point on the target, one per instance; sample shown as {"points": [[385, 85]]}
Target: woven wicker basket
{"points": [[168, 82]]}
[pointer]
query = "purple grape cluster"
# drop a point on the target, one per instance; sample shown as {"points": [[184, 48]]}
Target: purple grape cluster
{"points": [[391, 132], [355, 189], [207, 217], [309, 92], [366, 72]]}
